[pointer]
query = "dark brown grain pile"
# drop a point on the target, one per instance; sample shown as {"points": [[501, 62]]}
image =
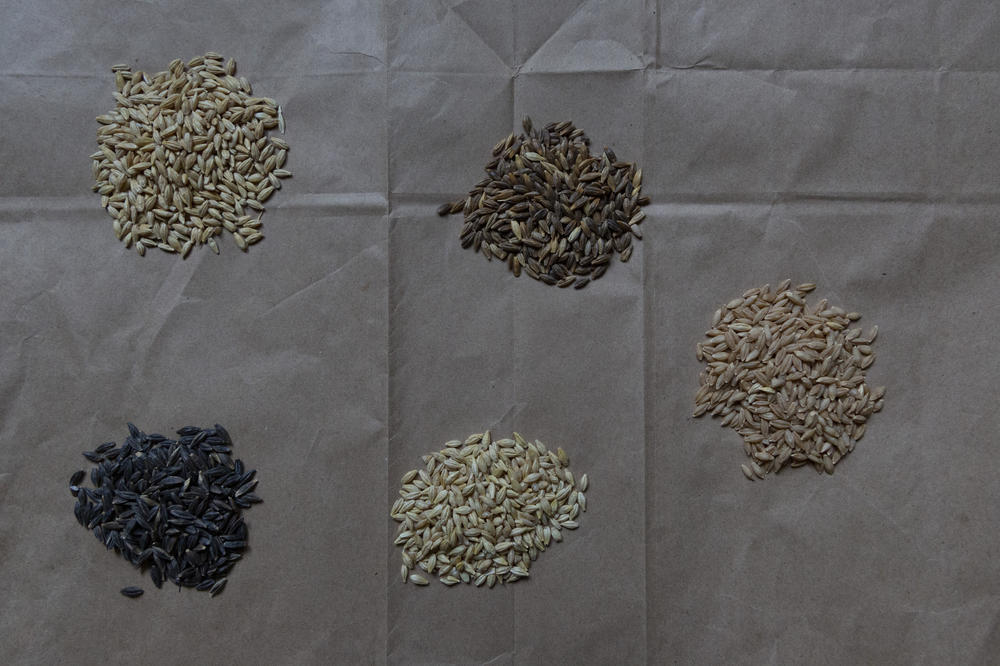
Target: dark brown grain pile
{"points": [[551, 209]]}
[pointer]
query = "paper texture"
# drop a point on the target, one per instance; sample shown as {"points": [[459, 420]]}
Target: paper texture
{"points": [[850, 144]]}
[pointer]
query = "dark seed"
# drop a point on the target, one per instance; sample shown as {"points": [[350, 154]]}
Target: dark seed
{"points": [[547, 279], [218, 586], [223, 434], [444, 209], [77, 478], [132, 592], [246, 487]]}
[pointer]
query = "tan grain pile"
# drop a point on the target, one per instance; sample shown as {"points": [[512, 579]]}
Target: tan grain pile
{"points": [[480, 511], [789, 378], [185, 157]]}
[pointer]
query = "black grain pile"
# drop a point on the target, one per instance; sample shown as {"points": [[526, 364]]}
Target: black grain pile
{"points": [[170, 507], [550, 208]]}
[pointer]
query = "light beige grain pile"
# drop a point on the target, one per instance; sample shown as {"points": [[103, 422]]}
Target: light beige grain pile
{"points": [[480, 511], [789, 378], [185, 157]]}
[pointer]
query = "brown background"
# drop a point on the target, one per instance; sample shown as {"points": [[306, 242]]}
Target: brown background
{"points": [[853, 144]]}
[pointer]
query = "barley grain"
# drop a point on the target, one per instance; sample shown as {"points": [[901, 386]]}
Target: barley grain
{"points": [[550, 208], [788, 377], [479, 511], [180, 147]]}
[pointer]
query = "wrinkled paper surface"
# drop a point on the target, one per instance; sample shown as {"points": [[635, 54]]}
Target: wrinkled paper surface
{"points": [[852, 144]]}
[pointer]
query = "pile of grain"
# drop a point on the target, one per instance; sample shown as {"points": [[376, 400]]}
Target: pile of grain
{"points": [[172, 507], [184, 156], [551, 209], [789, 378], [480, 511]]}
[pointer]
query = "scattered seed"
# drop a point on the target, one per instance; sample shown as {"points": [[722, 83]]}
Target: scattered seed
{"points": [[132, 592], [219, 584]]}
